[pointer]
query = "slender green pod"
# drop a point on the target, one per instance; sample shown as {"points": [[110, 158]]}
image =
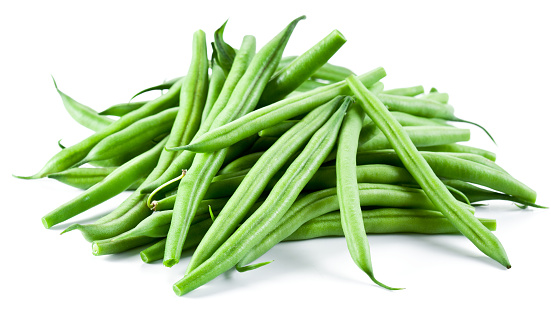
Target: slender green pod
{"points": [[348, 194], [72, 155], [166, 85], [243, 99], [116, 182], [405, 91], [332, 73], [82, 114], [120, 110], [457, 166], [420, 136], [139, 133], [458, 213], [439, 97], [216, 83], [84, 178], [241, 163], [461, 148], [301, 68], [272, 209], [278, 130], [383, 221], [273, 114], [257, 179]]}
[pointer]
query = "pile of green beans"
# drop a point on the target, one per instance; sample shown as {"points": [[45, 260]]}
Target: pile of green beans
{"points": [[250, 148]]}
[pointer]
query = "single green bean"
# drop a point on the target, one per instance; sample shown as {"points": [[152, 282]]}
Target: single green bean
{"points": [[84, 178], [458, 213], [348, 194], [383, 221], [300, 69], [166, 85], [82, 114], [439, 97], [460, 148], [405, 91], [241, 163], [120, 110], [216, 83]]}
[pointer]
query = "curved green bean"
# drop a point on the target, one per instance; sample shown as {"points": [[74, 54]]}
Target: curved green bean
{"points": [[120, 110], [84, 178]]}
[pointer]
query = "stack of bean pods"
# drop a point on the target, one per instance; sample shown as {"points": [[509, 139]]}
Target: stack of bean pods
{"points": [[249, 149]]}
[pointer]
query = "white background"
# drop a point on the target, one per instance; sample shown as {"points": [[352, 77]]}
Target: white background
{"points": [[492, 57]]}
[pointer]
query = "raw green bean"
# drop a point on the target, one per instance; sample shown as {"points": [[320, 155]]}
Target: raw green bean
{"points": [[405, 91], [458, 213], [166, 85], [242, 163], [420, 136], [308, 85], [216, 83], [383, 221], [460, 148], [84, 178], [82, 114], [272, 209], [278, 130], [300, 69], [332, 73], [439, 97], [456, 166], [118, 181], [257, 179], [120, 110], [154, 252], [243, 99], [273, 114], [348, 194], [135, 135], [70, 156], [321, 202]]}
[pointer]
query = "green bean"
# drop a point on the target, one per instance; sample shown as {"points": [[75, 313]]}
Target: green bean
{"points": [[154, 252], [193, 95], [439, 97], [420, 136], [405, 91], [308, 85], [243, 162], [70, 156], [458, 213], [135, 135], [383, 221], [460, 148], [118, 181], [216, 84], [120, 110], [425, 108], [84, 178], [272, 209], [166, 85], [456, 166], [262, 144], [477, 194], [273, 114], [300, 69], [243, 99], [348, 194], [257, 179], [82, 114], [332, 73], [278, 130], [321, 202]]}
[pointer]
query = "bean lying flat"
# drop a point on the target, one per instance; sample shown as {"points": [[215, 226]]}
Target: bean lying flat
{"points": [[84, 178]]}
